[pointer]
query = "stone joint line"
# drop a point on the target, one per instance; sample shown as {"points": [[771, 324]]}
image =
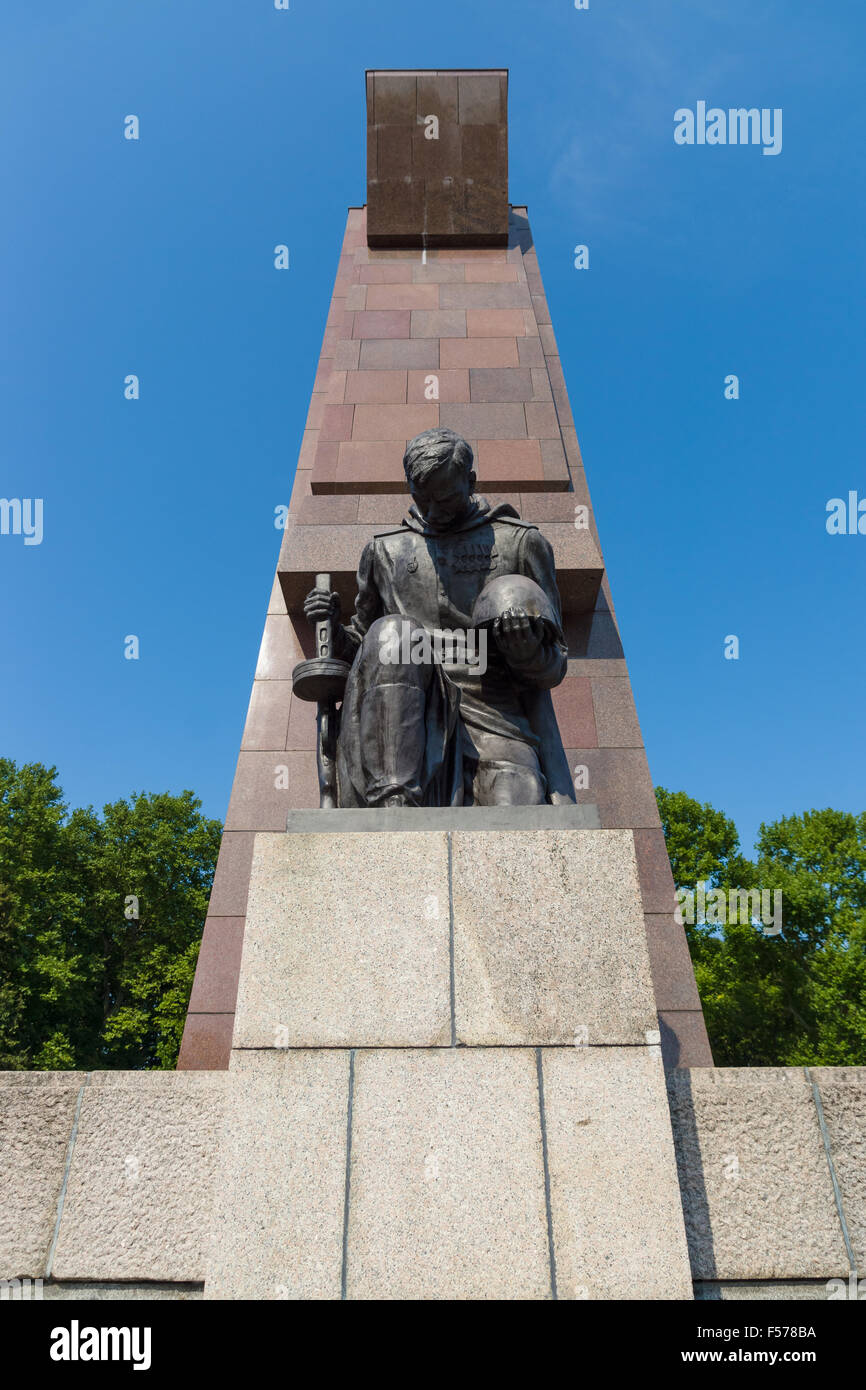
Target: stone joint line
{"points": [[344, 1272], [73, 1135], [551, 1246], [452, 986], [837, 1191]]}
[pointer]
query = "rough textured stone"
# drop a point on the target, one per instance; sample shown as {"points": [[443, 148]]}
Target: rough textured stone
{"points": [[615, 1205], [447, 1177], [843, 1100], [139, 1188], [756, 1187], [346, 942], [549, 938], [279, 1195], [712, 1291], [115, 1293], [37, 1110]]}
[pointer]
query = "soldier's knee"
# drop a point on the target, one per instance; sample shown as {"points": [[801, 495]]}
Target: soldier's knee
{"points": [[501, 784]]}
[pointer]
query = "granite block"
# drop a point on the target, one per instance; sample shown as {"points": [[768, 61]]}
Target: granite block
{"points": [[756, 1187], [549, 939], [843, 1100], [335, 956], [279, 1195], [37, 1110], [139, 1188], [447, 1177], [615, 1205]]}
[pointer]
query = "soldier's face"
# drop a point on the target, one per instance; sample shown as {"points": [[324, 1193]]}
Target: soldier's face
{"points": [[444, 496]]}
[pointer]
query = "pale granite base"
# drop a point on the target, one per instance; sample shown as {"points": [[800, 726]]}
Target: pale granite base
{"points": [[431, 937], [448, 1173]]}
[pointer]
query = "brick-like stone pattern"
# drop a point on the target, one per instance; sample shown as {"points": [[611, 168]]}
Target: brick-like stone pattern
{"points": [[475, 320]]}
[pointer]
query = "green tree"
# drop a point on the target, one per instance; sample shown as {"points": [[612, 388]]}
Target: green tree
{"points": [[819, 860], [40, 906], [798, 998], [100, 923]]}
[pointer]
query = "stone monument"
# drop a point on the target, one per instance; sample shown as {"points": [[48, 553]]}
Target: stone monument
{"points": [[438, 319], [440, 980], [444, 1049]]}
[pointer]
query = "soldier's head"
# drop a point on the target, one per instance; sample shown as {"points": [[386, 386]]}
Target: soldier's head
{"points": [[438, 467]]}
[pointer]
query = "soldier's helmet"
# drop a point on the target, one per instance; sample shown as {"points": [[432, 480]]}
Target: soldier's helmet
{"points": [[513, 591]]}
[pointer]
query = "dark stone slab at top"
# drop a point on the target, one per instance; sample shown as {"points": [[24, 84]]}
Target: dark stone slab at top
{"points": [[447, 191]]}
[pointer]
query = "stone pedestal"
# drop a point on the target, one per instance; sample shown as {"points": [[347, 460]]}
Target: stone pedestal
{"points": [[446, 1078]]}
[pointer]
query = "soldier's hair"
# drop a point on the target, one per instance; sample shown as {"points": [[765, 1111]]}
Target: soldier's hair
{"points": [[434, 449]]}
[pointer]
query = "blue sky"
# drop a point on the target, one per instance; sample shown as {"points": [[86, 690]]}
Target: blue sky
{"points": [[156, 257]]}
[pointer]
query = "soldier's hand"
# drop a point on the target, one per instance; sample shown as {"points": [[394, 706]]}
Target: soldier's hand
{"points": [[320, 604], [517, 635]]}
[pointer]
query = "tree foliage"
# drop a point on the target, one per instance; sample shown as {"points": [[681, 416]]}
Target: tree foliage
{"points": [[789, 1000], [86, 983], [82, 984]]}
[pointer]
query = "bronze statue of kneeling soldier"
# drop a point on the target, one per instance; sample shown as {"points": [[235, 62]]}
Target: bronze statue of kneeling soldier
{"points": [[475, 586]]}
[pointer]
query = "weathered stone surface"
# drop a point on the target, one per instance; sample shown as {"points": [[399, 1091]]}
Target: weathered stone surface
{"points": [[756, 1187], [549, 940], [786, 1292], [615, 1205], [114, 1293], [447, 1177], [139, 1188], [346, 942], [280, 1188], [843, 1099], [36, 1115]]}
